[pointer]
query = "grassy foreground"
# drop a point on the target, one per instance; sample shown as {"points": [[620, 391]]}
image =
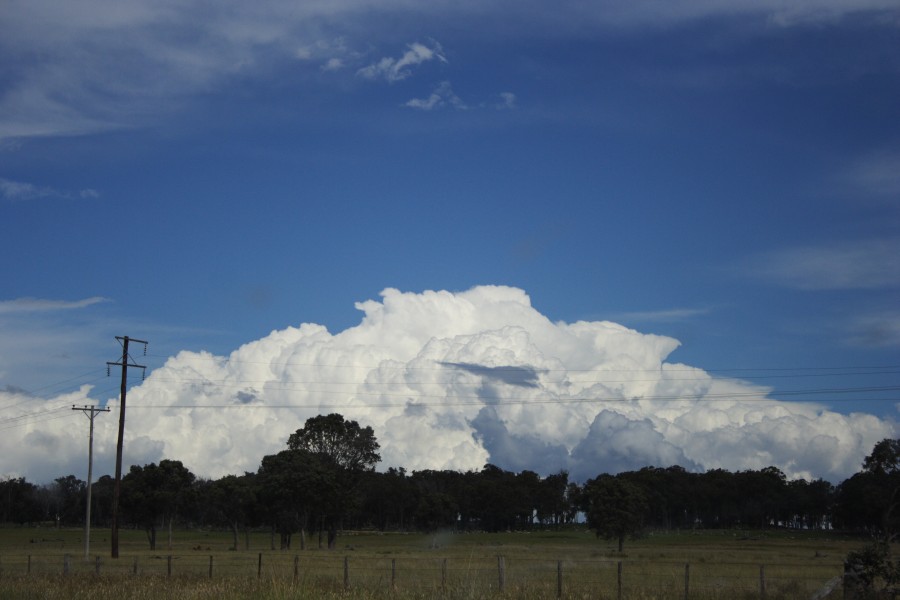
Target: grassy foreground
{"points": [[49, 563]]}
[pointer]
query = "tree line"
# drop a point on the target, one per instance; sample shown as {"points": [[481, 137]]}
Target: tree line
{"points": [[325, 480]]}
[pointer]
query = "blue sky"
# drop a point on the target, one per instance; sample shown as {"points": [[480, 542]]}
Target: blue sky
{"points": [[725, 174]]}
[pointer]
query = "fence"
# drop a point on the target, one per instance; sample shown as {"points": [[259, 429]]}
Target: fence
{"points": [[562, 578]]}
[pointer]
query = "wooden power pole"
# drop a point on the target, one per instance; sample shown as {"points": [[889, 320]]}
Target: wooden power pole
{"points": [[124, 363], [90, 412]]}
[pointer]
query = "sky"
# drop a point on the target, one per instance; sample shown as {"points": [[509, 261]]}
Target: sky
{"points": [[583, 236]]}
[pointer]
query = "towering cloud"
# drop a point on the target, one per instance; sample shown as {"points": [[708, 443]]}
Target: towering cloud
{"points": [[456, 380]]}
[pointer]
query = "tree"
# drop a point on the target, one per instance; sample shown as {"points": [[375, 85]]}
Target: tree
{"points": [[18, 501], [551, 503], [298, 486], [230, 501], [460, 488], [101, 498], [672, 496], [390, 499], [762, 495], [68, 497], [155, 492], [616, 508], [435, 511], [345, 443], [336, 453], [808, 503], [498, 503], [870, 499], [884, 459]]}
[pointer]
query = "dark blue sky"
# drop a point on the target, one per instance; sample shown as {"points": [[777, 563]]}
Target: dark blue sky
{"points": [[201, 175]]}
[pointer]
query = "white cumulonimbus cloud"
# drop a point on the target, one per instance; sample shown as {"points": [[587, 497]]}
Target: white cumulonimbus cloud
{"points": [[454, 381]]}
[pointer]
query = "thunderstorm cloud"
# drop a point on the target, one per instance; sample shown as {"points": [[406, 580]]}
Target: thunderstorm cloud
{"points": [[450, 381]]}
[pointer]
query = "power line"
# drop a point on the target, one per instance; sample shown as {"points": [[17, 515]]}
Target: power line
{"points": [[65, 381], [12, 424], [293, 383], [746, 373], [291, 387], [442, 365], [478, 400]]}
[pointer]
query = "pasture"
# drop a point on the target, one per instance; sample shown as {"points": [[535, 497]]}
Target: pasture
{"points": [[50, 563]]}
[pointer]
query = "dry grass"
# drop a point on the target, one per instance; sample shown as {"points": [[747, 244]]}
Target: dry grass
{"points": [[400, 567]]}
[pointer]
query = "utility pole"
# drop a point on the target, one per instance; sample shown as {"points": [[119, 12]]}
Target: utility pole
{"points": [[90, 412], [124, 363]]}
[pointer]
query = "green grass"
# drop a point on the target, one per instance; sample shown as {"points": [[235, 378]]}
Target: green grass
{"points": [[723, 564]]}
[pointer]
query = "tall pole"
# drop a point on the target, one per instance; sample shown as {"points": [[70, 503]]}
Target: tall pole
{"points": [[90, 412], [115, 507]]}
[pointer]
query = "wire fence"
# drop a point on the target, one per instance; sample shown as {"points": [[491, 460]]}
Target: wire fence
{"points": [[561, 578]]}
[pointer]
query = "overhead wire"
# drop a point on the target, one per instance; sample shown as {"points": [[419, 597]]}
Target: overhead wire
{"points": [[475, 399], [444, 400], [441, 365], [31, 418]]}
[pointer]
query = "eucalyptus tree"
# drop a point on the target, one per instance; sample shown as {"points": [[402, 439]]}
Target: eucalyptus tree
{"points": [[319, 474], [344, 443], [153, 493], [616, 508], [231, 501], [870, 499], [19, 501]]}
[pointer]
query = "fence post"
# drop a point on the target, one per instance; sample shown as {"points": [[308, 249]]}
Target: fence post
{"points": [[169, 565], [444, 574], [501, 572], [210, 565], [134, 569], [687, 580], [619, 580], [67, 563], [346, 572], [559, 579], [296, 567], [762, 581], [29, 565], [97, 565], [393, 573], [259, 567]]}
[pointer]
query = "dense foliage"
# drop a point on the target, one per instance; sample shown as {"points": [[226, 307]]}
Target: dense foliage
{"points": [[325, 481]]}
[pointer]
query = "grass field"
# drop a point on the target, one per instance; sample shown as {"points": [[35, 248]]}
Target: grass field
{"points": [[50, 563]]}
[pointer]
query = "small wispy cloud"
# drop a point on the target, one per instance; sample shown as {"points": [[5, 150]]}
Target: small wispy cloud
{"points": [[28, 305], [866, 264], [397, 69], [19, 191], [333, 64], [507, 101], [442, 95]]}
